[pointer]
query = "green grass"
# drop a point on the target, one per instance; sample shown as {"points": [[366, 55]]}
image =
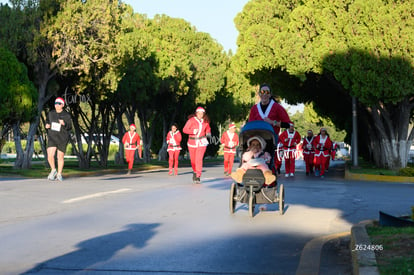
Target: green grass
{"points": [[365, 167], [71, 168], [397, 256]]}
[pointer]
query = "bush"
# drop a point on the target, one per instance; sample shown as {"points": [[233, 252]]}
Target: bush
{"points": [[407, 172], [113, 149], [10, 148]]}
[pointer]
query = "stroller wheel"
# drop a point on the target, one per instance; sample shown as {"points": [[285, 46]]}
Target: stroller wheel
{"points": [[233, 200], [251, 205], [281, 199]]}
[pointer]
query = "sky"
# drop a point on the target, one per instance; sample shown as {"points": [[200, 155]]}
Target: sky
{"points": [[215, 17]]}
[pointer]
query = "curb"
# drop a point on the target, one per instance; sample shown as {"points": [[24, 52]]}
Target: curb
{"points": [[363, 261], [367, 177], [310, 259]]}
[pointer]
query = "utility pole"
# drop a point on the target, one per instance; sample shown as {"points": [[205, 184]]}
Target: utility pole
{"points": [[354, 142]]}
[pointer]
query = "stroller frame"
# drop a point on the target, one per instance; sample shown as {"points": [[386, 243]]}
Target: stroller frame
{"points": [[252, 190]]}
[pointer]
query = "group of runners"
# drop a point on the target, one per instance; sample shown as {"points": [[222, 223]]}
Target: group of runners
{"points": [[316, 150]]}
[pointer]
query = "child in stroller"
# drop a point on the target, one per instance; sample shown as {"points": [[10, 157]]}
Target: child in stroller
{"points": [[255, 158]]}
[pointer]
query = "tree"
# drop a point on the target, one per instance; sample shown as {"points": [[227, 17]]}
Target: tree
{"points": [[20, 33], [328, 51], [310, 120], [190, 69], [87, 37], [17, 94]]}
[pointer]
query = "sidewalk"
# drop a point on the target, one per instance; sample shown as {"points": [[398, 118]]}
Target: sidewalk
{"points": [[334, 254]]}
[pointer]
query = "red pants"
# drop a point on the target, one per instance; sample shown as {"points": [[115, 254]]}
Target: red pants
{"points": [[278, 161], [320, 163], [290, 162], [228, 162], [130, 156], [196, 156], [173, 160], [309, 161]]}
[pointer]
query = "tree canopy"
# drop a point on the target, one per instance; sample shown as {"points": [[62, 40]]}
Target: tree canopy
{"points": [[328, 51], [17, 92]]}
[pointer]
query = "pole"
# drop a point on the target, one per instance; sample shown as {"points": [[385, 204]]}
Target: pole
{"points": [[354, 133]]}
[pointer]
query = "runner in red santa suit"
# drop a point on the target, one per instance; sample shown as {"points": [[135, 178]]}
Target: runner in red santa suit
{"points": [[332, 154], [290, 139], [308, 152], [323, 145], [269, 110], [334, 150], [198, 129], [131, 141], [173, 140], [230, 140]]}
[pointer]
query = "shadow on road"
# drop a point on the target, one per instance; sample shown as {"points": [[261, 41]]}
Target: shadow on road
{"points": [[99, 249]]}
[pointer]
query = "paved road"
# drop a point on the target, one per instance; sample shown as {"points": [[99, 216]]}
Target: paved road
{"points": [[149, 223]]}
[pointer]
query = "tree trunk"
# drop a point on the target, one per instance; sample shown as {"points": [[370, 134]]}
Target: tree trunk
{"points": [[44, 74], [29, 150], [119, 157], [18, 143], [147, 132], [162, 153], [388, 134]]}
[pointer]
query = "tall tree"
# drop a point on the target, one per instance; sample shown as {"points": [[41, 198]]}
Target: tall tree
{"points": [[17, 95], [86, 38], [20, 33], [323, 51]]}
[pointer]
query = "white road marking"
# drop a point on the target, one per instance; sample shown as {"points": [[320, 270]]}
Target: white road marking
{"points": [[96, 195]]}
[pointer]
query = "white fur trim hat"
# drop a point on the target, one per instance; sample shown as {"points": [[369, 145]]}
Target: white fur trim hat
{"points": [[200, 109], [259, 139], [60, 100]]}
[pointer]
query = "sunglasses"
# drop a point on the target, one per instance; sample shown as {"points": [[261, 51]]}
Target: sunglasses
{"points": [[265, 92], [58, 103]]}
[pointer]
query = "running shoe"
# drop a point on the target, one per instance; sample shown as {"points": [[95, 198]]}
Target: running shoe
{"points": [[52, 175]]}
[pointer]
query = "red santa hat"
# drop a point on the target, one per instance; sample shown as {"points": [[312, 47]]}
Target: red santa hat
{"points": [[291, 124], [132, 125], [200, 109], [232, 125], [259, 139], [60, 100]]}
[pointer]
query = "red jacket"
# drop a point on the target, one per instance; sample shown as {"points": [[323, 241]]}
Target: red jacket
{"points": [[274, 111], [230, 144], [131, 142], [322, 146], [197, 131], [174, 140], [307, 146], [334, 150], [289, 140]]}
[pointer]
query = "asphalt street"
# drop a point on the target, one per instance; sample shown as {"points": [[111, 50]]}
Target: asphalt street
{"points": [[152, 223]]}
